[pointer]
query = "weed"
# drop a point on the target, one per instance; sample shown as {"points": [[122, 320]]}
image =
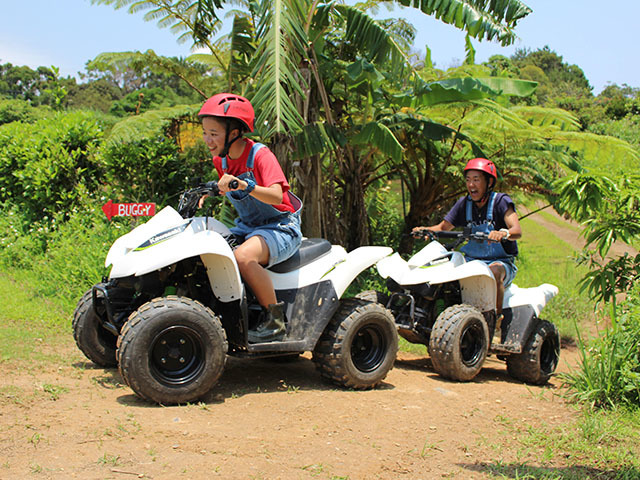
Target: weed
{"points": [[107, 459], [54, 391]]}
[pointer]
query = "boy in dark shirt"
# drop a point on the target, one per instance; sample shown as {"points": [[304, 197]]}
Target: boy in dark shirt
{"points": [[490, 212]]}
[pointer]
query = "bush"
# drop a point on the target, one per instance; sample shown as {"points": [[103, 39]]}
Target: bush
{"points": [[609, 371], [46, 165], [152, 169]]}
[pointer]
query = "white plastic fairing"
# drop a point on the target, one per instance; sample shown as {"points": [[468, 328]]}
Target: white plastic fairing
{"points": [[357, 260], [164, 220], [311, 272], [537, 297], [166, 241]]}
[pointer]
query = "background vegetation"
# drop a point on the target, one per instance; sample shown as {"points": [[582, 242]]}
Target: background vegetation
{"points": [[357, 119]]}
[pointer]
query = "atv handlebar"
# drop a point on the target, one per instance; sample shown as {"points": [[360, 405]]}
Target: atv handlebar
{"points": [[459, 237], [190, 199]]}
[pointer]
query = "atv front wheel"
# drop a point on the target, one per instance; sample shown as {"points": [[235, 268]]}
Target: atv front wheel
{"points": [[95, 341], [459, 342], [359, 346], [540, 356], [172, 350]]}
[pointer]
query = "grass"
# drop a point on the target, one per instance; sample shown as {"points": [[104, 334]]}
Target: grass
{"points": [[28, 322], [596, 444], [544, 258]]}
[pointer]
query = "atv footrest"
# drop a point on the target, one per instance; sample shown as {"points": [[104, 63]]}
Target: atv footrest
{"points": [[286, 346]]}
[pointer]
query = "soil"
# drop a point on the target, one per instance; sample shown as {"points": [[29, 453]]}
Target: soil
{"points": [[272, 420]]}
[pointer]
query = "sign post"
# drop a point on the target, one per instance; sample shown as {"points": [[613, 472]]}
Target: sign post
{"points": [[111, 209]]}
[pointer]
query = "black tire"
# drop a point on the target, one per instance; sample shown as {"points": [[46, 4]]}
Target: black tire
{"points": [[96, 342], [459, 342], [359, 346], [172, 350], [373, 296], [540, 356]]}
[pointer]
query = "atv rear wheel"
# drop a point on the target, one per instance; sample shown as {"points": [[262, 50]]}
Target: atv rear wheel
{"points": [[540, 356], [172, 350], [459, 342], [373, 296], [96, 342], [359, 346]]}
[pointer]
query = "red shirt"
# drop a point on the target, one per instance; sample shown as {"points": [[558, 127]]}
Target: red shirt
{"points": [[266, 170]]}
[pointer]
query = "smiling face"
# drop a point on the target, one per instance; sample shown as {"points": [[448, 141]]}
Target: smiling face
{"points": [[476, 184], [213, 132]]}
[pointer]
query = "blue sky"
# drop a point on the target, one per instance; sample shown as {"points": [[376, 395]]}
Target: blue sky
{"points": [[600, 37]]}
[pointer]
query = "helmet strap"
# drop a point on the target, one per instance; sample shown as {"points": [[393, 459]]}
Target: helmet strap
{"points": [[227, 143]]}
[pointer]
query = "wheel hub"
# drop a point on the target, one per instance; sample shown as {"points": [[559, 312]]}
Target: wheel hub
{"points": [[177, 355]]}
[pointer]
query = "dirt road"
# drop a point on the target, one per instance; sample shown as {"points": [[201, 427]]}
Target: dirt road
{"points": [[269, 420]]}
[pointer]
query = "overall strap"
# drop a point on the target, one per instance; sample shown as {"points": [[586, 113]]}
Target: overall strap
{"points": [[250, 158], [252, 154], [469, 206]]}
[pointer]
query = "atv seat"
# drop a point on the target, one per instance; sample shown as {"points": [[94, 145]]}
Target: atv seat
{"points": [[310, 249]]}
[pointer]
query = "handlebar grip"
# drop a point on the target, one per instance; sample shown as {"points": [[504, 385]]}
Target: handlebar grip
{"points": [[233, 184]]}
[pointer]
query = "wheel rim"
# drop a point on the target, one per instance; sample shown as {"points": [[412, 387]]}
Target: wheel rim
{"points": [[472, 344], [177, 356], [548, 355], [369, 348]]}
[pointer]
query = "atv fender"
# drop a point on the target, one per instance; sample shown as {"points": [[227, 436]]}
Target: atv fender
{"points": [[164, 220], [214, 250], [356, 261]]}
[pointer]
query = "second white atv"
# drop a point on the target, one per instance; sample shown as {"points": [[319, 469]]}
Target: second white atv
{"points": [[448, 304], [174, 306]]}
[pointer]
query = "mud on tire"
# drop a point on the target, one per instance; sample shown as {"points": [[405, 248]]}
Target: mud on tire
{"points": [[97, 343], [540, 355], [172, 350], [459, 342], [359, 346]]}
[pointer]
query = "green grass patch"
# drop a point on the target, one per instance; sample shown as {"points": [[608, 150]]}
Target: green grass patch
{"points": [[29, 325], [544, 258], [596, 444]]}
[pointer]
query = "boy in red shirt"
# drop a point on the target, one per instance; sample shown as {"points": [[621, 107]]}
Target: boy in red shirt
{"points": [[268, 213]]}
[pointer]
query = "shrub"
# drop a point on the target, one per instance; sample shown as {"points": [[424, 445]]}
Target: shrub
{"points": [[609, 371], [45, 165]]}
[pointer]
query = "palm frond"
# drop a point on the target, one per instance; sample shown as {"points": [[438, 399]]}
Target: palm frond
{"points": [[490, 19], [276, 69]]}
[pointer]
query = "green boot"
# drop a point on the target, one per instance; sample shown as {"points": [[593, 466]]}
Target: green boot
{"points": [[271, 327]]}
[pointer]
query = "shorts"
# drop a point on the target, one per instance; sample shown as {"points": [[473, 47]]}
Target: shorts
{"points": [[283, 236], [510, 268]]}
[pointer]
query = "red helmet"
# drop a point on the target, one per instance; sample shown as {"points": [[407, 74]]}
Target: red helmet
{"points": [[484, 165], [230, 106]]}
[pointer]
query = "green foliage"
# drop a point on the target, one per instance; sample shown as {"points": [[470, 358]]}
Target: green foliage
{"points": [[16, 110], [609, 369], [45, 166], [143, 100], [151, 169]]}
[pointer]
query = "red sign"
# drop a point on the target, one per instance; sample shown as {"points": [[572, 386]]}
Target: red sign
{"points": [[111, 209]]}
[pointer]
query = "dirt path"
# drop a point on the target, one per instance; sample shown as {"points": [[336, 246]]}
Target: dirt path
{"points": [[267, 420]]}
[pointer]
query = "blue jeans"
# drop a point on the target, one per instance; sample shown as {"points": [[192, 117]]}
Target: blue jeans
{"points": [[283, 237]]}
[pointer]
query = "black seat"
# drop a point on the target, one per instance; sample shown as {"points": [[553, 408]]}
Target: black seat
{"points": [[310, 249]]}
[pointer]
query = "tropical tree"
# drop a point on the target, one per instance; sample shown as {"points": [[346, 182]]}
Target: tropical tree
{"points": [[310, 69]]}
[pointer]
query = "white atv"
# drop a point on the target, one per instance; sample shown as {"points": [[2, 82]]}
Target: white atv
{"points": [[174, 306], [448, 304]]}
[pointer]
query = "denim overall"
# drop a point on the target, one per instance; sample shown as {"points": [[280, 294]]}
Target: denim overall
{"points": [[280, 230], [483, 250]]}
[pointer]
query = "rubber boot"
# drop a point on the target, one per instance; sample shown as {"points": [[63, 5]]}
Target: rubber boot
{"points": [[271, 327]]}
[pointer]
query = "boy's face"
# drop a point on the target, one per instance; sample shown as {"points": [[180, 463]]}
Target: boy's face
{"points": [[476, 184], [213, 132]]}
